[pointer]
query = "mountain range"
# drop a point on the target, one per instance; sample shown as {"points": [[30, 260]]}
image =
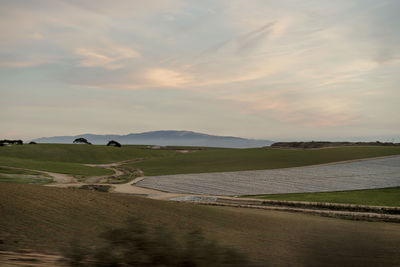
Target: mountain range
{"points": [[163, 138]]}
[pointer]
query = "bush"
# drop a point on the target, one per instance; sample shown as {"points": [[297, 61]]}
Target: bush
{"points": [[113, 143], [135, 245], [81, 141]]}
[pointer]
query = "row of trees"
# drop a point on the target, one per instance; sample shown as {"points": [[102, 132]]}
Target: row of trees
{"points": [[10, 142], [76, 141], [82, 140]]}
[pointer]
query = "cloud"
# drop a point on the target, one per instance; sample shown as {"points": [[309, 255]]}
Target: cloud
{"points": [[108, 57], [293, 62], [270, 31], [254, 38], [315, 110], [37, 36], [125, 8], [162, 77], [250, 40], [21, 64], [93, 59]]}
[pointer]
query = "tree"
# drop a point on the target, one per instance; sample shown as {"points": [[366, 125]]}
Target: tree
{"points": [[114, 143], [11, 142], [81, 141]]}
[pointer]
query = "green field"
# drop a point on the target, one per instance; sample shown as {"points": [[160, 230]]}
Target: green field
{"points": [[255, 159], [78, 153], [373, 197], [54, 166], [20, 179], [6, 170], [47, 219], [69, 158], [18, 176]]}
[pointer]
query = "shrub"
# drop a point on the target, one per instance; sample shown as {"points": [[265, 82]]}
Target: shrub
{"points": [[81, 141], [135, 245], [113, 143]]}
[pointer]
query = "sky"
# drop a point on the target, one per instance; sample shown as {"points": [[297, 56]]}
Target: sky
{"points": [[278, 70]]}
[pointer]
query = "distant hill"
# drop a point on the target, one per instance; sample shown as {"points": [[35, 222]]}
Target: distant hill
{"points": [[321, 144], [163, 138]]}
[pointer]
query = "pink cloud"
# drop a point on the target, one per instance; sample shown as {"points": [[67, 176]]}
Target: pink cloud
{"points": [[310, 111], [21, 64]]}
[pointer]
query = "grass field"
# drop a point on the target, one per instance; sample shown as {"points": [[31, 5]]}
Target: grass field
{"points": [[68, 159], [54, 166], [21, 179], [46, 219], [255, 159], [78, 153], [18, 176], [6, 170], [374, 197]]}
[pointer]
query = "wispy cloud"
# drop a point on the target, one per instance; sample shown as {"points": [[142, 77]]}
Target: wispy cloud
{"points": [[20, 64], [109, 57], [161, 77], [313, 110], [291, 62]]}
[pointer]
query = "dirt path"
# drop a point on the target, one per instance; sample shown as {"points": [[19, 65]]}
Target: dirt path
{"points": [[99, 179], [64, 180], [111, 166], [130, 188]]}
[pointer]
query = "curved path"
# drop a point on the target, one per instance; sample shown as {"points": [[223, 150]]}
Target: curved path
{"points": [[111, 166], [360, 174], [65, 181], [363, 174]]}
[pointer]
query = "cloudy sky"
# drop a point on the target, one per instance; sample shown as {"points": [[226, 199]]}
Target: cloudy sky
{"points": [[278, 70]]}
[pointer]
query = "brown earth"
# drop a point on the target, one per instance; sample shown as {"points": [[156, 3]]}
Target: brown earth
{"points": [[45, 219]]}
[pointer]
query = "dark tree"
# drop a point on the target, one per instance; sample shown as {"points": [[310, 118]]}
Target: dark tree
{"points": [[114, 143], [11, 142], [81, 141], [32, 143]]}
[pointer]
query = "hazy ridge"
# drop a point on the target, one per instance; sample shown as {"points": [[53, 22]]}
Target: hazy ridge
{"points": [[163, 138]]}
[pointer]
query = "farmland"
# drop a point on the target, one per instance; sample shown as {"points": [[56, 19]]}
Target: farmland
{"points": [[23, 176], [227, 160], [69, 159], [374, 173], [374, 197], [53, 166], [79, 153], [46, 219], [240, 171]]}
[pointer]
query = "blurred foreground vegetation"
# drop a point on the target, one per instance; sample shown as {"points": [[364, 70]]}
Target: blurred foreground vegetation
{"points": [[136, 245]]}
